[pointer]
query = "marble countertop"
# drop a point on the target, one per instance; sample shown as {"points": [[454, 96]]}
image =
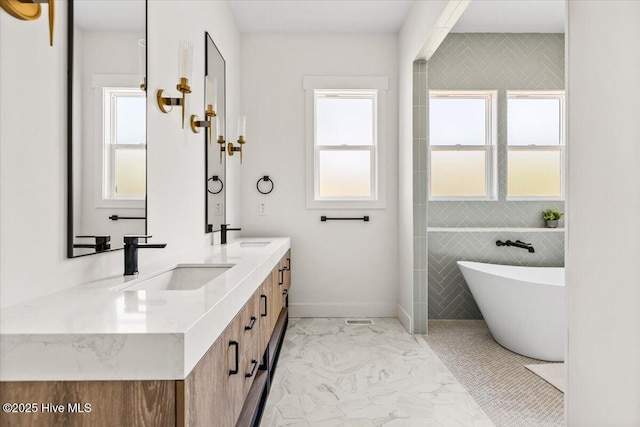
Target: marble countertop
{"points": [[97, 332]]}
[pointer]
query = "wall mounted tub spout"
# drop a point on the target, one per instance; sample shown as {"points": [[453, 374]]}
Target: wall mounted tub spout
{"points": [[517, 244]]}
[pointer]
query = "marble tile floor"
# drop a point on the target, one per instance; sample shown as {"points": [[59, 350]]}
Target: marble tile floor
{"points": [[510, 394], [330, 374]]}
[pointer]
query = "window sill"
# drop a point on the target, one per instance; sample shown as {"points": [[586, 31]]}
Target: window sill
{"points": [[461, 199], [535, 199], [120, 204]]}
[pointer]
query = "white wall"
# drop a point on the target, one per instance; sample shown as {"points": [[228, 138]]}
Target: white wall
{"points": [[340, 268], [175, 187], [416, 30], [33, 148], [603, 268]]}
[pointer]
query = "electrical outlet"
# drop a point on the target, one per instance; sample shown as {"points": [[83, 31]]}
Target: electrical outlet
{"points": [[218, 209], [262, 209]]}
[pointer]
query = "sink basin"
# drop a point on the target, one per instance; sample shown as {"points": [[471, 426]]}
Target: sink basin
{"points": [[253, 244], [180, 278]]}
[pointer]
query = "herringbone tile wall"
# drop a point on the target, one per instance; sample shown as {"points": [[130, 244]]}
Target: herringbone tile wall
{"points": [[504, 62], [449, 295], [419, 197], [480, 61]]}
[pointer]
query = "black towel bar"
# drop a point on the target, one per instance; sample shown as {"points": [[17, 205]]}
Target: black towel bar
{"points": [[363, 218], [118, 217]]}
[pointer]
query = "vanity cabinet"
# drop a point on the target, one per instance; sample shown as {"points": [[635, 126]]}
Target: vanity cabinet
{"points": [[230, 382], [226, 388]]}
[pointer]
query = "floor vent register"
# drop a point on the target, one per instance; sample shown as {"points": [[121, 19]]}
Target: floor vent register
{"points": [[358, 322]]}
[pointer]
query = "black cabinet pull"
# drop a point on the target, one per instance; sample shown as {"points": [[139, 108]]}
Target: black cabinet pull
{"points": [[235, 371], [281, 271], [288, 267], [253, 322], [254, 363], [265, 306], [286, 291]]}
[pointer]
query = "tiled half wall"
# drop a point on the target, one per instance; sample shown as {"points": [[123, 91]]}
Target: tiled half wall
{"points": [[449, 295]]}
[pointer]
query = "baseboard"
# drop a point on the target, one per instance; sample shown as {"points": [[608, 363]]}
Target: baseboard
{"points": [[343, 310], [405, 319]]}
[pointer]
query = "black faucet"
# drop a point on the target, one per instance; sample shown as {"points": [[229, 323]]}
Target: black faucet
{"points": [[517, 244], [131, 246], [223, 232], [102, 243]]}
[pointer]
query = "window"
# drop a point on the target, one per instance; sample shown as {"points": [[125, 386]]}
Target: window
{"points": [[124, 144], [462, 135], [345, 142], [535, 145]]}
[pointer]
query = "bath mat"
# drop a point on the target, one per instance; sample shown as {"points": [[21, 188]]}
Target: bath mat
{"points": [[553, 373]]}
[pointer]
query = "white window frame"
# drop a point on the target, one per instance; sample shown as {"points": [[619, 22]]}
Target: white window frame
{"points": [[490, 146], [535, 94], [103, 152], [347, 86]]}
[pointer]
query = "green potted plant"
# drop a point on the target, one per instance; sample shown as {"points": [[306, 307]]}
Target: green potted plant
{"points": [[551, 217]]}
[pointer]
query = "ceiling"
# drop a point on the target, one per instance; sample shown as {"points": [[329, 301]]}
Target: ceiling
{"points": [[387, 16], [320, 16], [512, 16]]}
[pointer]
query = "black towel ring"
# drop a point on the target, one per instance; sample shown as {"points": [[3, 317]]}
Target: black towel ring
{"points": [[215, 178], [265, 179]]}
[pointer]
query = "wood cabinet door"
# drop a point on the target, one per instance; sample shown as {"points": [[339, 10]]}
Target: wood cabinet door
{"points": [[287, 265], [235, 348], [203, 395], [276, 296], [264, 294]]}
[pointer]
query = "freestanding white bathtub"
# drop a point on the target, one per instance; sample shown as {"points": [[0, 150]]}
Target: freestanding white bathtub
{"points": [[524, 307]]}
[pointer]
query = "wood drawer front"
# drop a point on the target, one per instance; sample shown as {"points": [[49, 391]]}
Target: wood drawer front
{"points": [[239, 384], [249, 318], [250, 363]]}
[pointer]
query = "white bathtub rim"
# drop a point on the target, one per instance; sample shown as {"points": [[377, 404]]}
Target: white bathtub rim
{"points": [[518, 273]]}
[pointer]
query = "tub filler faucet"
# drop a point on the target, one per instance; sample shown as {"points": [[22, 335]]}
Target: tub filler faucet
{"points": [[517, 244]]}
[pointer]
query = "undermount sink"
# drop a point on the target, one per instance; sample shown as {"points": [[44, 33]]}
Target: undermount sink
{"points": [[253, 244], [180, 278]]}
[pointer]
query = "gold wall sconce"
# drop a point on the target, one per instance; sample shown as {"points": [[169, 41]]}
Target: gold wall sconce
{"points": [[30, 10], [210, 112], [242, 133], [220, 141], [142, 63], [166, 103]]}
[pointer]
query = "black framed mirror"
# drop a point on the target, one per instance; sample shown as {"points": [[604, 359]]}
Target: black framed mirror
{"points": [[106, 178], [215, 154]]}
